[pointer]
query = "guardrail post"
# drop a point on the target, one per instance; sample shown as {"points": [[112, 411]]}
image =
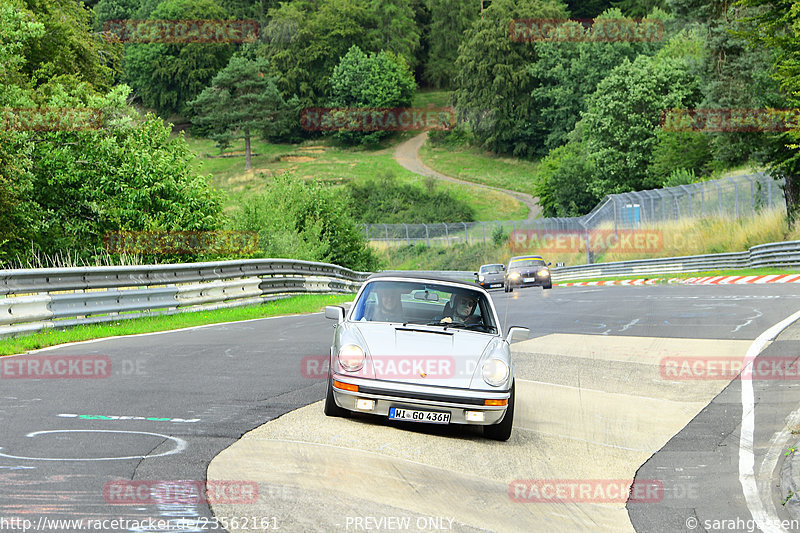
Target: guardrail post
{"points": [[408, 240], [427, 235], [446, 233], [387, 232], [466, 234]]}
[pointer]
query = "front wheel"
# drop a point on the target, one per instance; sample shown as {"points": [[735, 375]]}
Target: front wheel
{"points": [[502, 431], [331, 409], [548, 286]]}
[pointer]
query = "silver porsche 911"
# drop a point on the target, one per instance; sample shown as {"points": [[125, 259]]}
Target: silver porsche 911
{"points": [[422, 348]]}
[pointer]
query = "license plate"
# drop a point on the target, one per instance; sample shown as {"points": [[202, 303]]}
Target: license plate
{"points": [[529, 280], [412, 415], [495, 285]]}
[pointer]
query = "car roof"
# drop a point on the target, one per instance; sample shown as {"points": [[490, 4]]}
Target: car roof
{"points": [[524, 257], [491, 264], [428, 276]]}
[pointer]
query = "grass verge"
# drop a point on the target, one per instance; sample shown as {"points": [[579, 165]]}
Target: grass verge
{"points": [[687, 275], [305, 303], [479, 166], [321, 160]]}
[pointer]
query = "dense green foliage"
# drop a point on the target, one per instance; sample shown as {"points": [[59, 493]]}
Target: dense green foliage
{"points": [[166, 76], [306, 221], [242, 101], [384, 200], [370, 81]]}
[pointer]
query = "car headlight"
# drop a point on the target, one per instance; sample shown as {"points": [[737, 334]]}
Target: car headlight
{"points": [[495, 372], [514, 275], [481, 278], [351, 357], [544, 272]]}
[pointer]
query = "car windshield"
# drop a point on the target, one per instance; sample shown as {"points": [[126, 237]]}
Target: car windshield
{"points": [[522, 263], [413, 302], [491, 269]]}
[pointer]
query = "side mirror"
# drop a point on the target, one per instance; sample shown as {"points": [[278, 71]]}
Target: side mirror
{"points": [[334, 312], [548, 264], [516, 334]]}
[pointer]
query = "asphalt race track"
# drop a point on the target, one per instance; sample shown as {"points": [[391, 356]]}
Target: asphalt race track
{"points": [[596, 405]]}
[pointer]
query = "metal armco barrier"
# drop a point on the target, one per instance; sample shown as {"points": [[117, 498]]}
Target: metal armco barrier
{"points": [[34, 299], [776, 254]]}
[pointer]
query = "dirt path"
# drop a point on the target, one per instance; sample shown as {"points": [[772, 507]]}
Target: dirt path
{"points": [[407, 155]]}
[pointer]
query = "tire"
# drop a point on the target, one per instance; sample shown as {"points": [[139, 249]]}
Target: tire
{"points": [[331, 409], [502, 430], [510, 288], [548, 286]]}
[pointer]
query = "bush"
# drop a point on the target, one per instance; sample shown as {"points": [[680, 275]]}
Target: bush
{"points": [[370, 81], [308, 221], [384, 200]]}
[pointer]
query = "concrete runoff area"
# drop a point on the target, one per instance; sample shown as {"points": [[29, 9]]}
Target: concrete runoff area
{"points": [[597, 418]]}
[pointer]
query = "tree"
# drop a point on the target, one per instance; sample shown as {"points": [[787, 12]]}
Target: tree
{"points": [[776, 25], [568, 73], [563, 182], [67, 47], [370, 81], [242, 101], [494, 85], [395, 29], [449, 20], [167, 76], [317, 36], [624, 113]]}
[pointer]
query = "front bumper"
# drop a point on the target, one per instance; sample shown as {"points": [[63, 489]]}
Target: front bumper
{"points": [[532, 281], [405, 396], [492, 284]]}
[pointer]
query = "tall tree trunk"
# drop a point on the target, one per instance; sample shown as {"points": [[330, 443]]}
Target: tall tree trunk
{"points": [[247, 164], [791, 191]]}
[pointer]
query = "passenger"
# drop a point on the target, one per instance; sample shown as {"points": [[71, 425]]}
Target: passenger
{"points": [[390, 307]]}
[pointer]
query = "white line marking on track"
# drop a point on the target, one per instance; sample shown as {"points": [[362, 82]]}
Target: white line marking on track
{"points": [[180, 445], [766, 521]]}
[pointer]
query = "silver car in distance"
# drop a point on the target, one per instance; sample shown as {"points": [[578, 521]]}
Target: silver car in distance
{"points": [[423, 348]]}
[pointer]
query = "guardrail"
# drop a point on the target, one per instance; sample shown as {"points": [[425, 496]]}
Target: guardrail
{"points": [[35, 299], [776, 254]]}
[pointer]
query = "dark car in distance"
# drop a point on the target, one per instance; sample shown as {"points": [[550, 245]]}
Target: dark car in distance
{"points": [[527, 271], [491, 276]]}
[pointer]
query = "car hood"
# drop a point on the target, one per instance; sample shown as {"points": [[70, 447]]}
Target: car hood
{"points": [[425, 355]]}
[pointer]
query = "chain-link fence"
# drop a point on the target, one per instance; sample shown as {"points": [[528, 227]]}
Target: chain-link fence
{"points": [[734, 197]]}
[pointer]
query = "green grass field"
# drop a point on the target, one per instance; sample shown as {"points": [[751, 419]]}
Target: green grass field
{"points": [[478, 166], [306, 303], [330, 164]]}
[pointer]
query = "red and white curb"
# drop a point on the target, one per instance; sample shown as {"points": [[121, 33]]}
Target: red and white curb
{"points": [[709, 280]]}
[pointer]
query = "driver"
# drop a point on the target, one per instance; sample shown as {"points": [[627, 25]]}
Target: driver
{"points": [[463, 309]]}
